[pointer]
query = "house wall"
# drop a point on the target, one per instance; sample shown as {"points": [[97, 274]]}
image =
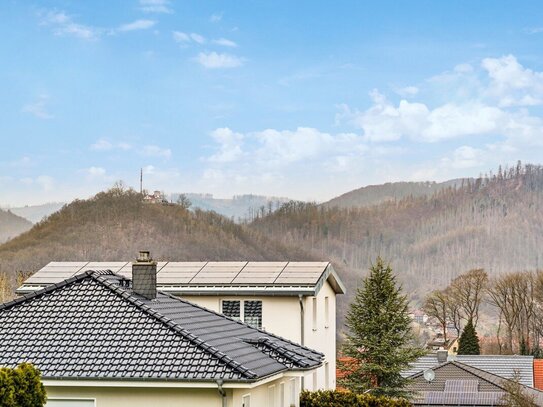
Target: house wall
{"points": [[138, 397], [282, 316], [321, 336], [283, 392]]}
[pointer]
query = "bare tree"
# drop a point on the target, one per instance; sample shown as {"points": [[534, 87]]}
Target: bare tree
{"points": [[469, 289], [436, 305]]}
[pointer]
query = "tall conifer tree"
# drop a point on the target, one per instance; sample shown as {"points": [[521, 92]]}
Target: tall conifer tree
{"points": [[468, 344], [379, 336]]}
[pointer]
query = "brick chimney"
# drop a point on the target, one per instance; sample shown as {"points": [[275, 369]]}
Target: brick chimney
{"points": [[144, 276]]}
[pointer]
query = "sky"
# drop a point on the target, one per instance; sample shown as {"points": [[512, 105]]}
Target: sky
{"points": [[299, 99]]}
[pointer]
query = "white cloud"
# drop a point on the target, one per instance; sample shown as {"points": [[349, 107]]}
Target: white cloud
{"points": [[407, 91], [156, 6], [93, 173], [63, 25], [215, 18], [156, 151], [229, 145], [197, 38], [38, 108], [137, 25], [225, 43], [213, 60], [511, 83], [102, 145], [46, 182], [181, 37], [465, 157]]}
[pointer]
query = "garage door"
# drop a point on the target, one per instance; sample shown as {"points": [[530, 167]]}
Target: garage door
{"points": [[69, 403]]}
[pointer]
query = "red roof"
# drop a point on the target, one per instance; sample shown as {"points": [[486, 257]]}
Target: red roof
{"points": [[538, 374]]}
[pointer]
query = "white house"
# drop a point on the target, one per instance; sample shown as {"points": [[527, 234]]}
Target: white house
{"points": [[101, 340], [294, 300]]}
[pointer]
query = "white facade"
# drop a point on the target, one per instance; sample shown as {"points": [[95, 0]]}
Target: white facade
{"points": [[282, 316]]}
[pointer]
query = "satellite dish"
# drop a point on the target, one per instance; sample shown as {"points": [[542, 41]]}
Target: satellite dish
{"points": [[429, 375]]}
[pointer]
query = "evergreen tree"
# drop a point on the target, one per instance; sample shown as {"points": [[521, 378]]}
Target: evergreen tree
{"points": [[379, 336], [468, 344]]}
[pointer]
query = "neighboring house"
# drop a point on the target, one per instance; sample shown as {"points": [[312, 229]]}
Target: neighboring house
{"points": [[155, 197], [101, 340], [538, 374], [458, 384], [438, 342], [504, 366], [295, 300]]}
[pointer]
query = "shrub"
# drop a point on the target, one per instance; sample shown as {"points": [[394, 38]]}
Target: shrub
{"points": [[335, 398], [21, 387]]}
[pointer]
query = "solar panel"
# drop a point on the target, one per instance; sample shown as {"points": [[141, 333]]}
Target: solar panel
{"points": [[198, 273], [461, 386]]}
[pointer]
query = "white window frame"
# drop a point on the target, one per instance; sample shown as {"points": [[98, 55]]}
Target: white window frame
{"points": [[282, 394], [326, 312], [71, 399], [326, 375], [314, 311], [242, 308], [244, 399], [292, 393], [315, 381]]}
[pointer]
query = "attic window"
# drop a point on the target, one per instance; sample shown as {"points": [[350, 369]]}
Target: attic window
{"points": [[250, 313], [232, 309]]}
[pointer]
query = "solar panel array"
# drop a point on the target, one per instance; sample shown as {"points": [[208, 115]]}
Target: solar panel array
{"points": [[485, 398], [237, 273], [461, 386]]}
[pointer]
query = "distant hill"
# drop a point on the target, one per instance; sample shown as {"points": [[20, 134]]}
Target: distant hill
{"points": [[391, 191], [238, 208], [12, 225], [492, 223], [35, 213], [116, 224]]}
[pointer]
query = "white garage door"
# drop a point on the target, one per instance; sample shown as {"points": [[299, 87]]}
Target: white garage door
{"points": [[69, 403]]}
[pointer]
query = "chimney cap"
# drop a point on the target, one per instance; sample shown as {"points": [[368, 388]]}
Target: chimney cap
{"points": [[442, 355], [144, 256]]}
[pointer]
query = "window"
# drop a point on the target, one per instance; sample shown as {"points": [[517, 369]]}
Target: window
{"points": [[315, 384], [282, 395], [69, 403], [271, 396], [246, 401], [326, 376], [252, 313], [314, 299], [231, 309], [292, 393], [326, 312]]}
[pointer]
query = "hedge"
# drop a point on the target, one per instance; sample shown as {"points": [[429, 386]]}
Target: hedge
{"points": [[335, 398], [21, 387]]}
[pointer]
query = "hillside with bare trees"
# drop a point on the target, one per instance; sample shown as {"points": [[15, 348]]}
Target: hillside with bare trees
{"points": [[115, 224], [12, 225], [493, 223]]}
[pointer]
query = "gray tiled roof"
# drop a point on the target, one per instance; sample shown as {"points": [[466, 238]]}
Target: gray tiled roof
{"points": [[506, 366], [460, 384], [93, 326]]}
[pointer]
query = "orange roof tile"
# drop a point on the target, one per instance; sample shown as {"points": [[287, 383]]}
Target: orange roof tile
{"points": [[538, 374]]}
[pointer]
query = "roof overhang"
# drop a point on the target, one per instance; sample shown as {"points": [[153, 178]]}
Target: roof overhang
{"points": [[164, 383]]}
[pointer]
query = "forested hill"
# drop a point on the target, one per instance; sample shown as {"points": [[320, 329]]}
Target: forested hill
{"points": [[492, 223], [12, 225], [391, 191], [115, 224]]}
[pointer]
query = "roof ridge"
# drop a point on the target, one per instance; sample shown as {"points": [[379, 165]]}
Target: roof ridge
{"points": [[46, 290], [126, 295], [242, 323]]}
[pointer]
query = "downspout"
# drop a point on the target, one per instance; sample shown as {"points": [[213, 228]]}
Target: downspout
{"points": [[302, 319], [222, 392]]}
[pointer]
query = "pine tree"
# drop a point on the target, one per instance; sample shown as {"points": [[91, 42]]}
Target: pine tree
{"points": [[468, 344], [379, 336]]}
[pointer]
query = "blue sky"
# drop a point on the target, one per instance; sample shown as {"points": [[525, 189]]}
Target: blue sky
{"points": [[302, 99]]}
